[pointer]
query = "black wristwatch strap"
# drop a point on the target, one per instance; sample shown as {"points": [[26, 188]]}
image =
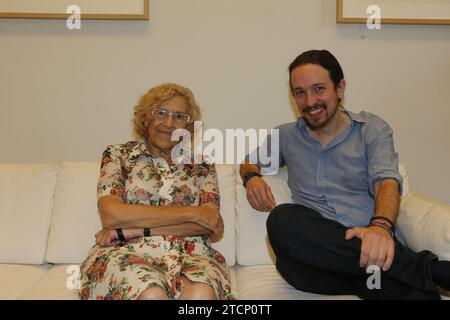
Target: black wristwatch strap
{"points": [[248, 176], [120, 235], [147, 232]]}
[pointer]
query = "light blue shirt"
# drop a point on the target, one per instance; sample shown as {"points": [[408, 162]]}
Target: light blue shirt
{"points": [[338, 180]]}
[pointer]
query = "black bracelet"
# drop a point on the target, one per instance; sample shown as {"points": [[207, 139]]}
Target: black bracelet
{"points": [[120, 235], [248, 176], [147, 232]]}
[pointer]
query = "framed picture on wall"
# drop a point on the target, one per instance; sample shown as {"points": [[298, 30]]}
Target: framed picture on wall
{"points": [[89, 9], [395, 11]]}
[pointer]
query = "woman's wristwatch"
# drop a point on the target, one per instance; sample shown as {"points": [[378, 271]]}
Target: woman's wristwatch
{"points": [[147, 232], [120, 236]]}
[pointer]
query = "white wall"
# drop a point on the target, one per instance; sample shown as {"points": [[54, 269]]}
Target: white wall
{"points": [[65, 95]]}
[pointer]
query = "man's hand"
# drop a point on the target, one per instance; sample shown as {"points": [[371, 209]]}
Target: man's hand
{"points": [[259, 195], [210, 218], [377, 247]]}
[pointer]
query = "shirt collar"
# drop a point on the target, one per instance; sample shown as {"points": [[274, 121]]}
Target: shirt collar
{"points": [[140, 149], [356, 117]]}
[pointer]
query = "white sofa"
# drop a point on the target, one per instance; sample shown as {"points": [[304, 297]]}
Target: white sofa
{"points": [[48, 218]]}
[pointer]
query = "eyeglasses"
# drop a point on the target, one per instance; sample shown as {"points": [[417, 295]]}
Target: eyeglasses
{"points": [[178, 117]]}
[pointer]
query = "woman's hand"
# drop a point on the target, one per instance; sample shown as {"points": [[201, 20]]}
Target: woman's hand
{"points": [[106, 237], [208, 216]]}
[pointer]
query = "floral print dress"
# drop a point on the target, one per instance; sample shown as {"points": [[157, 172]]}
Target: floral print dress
{"points": [[126, 271]]}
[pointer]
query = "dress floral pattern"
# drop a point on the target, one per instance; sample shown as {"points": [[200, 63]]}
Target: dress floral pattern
{"points": [[125, 271]]}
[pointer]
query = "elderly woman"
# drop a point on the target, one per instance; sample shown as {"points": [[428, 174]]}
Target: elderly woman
{"points": [[157, 215]]}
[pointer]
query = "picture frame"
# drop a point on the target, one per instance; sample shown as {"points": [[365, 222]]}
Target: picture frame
{"points": [[90, 9], [422, 12]]}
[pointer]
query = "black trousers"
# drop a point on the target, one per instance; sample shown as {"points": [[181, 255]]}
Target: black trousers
{"points": [[313, 256]]}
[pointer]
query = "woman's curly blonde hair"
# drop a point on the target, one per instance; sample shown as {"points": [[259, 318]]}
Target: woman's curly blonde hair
{"points": [[157, 96]]}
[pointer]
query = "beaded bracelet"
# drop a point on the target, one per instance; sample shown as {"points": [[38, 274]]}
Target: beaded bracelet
{"points": [[383, 218]]}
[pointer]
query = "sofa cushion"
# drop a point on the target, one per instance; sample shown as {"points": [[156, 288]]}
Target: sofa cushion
{"points": [[424, 224], [76, 220], [53, 286], [26, 200], [17, 279], [253, 247], [265, 283], [75, 217]]}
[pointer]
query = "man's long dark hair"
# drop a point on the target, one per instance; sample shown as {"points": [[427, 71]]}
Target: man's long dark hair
{"points": [[322, 58]]}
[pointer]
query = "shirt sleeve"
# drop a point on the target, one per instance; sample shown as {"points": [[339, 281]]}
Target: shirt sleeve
{"points": [[111, 181], [381, 155], [209, 185]]}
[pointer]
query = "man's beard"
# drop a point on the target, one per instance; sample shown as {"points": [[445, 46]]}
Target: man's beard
{"points": [[318, 126]]}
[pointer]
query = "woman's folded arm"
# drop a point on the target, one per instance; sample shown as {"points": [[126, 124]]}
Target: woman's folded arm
{"points": [[182, 220]]}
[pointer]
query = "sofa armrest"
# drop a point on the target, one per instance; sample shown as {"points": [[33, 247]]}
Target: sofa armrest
{"points": [[424, 224]]}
